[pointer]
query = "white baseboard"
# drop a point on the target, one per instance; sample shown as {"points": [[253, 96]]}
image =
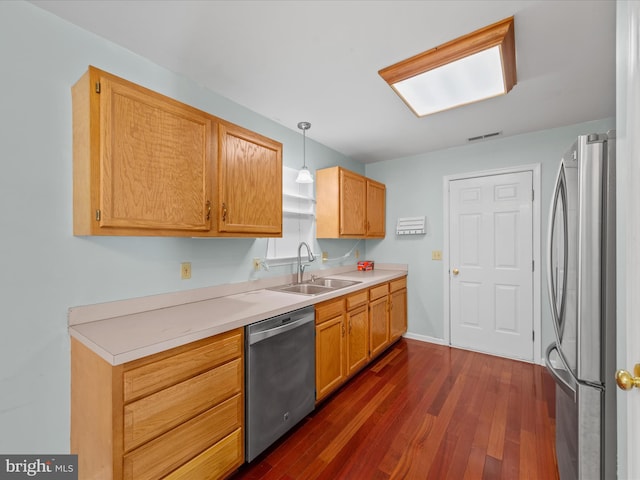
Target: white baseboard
{"points": [[424, 338]]}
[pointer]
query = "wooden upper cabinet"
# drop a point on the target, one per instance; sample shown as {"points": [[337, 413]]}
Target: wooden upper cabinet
{"points": [[249, 182], [145, 164], [142, 161], [376, 204], [353, 190], [348, 205]]}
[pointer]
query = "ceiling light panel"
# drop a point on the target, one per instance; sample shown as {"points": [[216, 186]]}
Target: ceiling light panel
{"points": [[474, 67]]}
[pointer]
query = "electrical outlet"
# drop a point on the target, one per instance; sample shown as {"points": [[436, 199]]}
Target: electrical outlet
{"points": [[436, 255], [357, 253], [256, 264], [325, 256], [185, 270]]}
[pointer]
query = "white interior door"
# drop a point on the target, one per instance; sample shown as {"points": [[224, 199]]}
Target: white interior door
{"points": [[628, 229], [491, 264]]}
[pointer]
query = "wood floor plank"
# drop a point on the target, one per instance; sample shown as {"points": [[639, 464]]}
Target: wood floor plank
{"points": [[424, 411]]}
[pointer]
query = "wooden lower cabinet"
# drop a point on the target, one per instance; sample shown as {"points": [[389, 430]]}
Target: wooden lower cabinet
{"points": [[357, 331], [379, 318], [354, 329], [330, 347], [178, 413], [215, 462], [397, 308]]}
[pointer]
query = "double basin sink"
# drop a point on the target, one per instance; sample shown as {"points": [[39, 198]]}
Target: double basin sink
{"points": [[315, 286]]}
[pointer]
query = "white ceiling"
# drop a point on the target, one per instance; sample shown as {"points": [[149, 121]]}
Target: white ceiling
{"points": [[318, 61]]}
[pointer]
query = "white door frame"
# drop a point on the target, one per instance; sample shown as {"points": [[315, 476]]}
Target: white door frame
{"points": [[535, 169]]}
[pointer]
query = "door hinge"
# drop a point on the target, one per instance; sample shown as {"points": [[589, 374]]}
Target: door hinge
{"points": [[97, 215], [533, 336], [533, 265], [533, 195], [97, 87]]}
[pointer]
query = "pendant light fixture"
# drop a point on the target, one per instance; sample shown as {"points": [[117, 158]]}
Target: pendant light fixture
{"points": [[304, 175]]}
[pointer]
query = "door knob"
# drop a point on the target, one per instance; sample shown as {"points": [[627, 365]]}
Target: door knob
{"points": [[626, 381], [455, 271]]}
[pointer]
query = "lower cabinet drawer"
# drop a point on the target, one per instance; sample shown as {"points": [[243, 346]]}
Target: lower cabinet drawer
{"points": [[156, 458], [156, 414], [398, 284], [142, 377], [359, 298], [215, 462], [378, 291], [328, 310]]}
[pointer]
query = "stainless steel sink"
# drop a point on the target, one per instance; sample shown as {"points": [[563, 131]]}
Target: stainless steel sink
{"points": [[303, 288], [333, 283], [316, 286]]}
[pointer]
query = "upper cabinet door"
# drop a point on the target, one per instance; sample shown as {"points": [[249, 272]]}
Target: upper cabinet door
{"points": [[249, 182], [375, 209], [352, 204], [348, 205], [142, 161], [155, 162]]}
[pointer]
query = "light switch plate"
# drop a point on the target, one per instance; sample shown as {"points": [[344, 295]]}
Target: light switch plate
{"points": [[436, 255]]}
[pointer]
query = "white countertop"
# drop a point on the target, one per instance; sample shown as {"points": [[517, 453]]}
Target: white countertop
{"points": [[127, 337]]}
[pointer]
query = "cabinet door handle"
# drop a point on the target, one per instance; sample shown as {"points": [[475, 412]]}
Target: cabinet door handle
{"points": [[224, 212], [208, 209], [343, 330]]}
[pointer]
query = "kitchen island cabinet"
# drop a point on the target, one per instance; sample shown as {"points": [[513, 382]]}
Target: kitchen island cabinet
{"points": [[179, 412], [348, 205]]}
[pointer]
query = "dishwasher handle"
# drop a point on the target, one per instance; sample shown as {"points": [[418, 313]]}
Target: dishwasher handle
{"points": [[287, 323]]}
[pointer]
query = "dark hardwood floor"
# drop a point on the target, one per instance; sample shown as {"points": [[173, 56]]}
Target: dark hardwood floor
{"points": [[425, 411]]}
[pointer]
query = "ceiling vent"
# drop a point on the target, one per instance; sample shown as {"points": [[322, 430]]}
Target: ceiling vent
{"points": [[484, 137]]}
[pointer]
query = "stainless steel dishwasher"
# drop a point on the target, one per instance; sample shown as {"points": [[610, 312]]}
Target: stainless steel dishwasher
{"points": [[280, 377]]}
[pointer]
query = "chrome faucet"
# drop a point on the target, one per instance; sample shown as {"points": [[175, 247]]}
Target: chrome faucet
{"points": [[300, 264]]}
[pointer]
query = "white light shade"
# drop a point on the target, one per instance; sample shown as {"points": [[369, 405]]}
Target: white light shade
{"points": [[304, 176], [464, 81]]}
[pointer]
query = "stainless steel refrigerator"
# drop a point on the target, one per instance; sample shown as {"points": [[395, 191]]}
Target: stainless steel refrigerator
{"points": [[581, 281]]}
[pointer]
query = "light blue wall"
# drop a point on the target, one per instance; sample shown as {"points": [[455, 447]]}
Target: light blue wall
{"points": [[414, 188], [44, 269]]}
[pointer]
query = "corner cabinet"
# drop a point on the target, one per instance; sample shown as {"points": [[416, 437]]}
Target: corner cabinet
{"points": [[176, 414], [147, 165], [348, 205], [250, 182]]}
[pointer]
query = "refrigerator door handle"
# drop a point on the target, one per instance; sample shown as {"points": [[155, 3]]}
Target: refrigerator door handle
{"points": [[569, 385], [559, 193]]}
